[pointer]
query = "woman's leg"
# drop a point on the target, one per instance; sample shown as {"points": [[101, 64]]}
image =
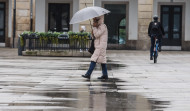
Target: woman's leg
{"points": [[91, 68], [104, 71]]}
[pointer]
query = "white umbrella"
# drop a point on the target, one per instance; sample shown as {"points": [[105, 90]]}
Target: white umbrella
{"points": [[88, 13]]}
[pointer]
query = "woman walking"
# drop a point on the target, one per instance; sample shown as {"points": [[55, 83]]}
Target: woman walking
{"points": [[100, 34]]}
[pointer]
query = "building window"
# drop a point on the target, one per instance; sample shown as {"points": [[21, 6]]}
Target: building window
{"points": [[116, 23], [171, 19], [122, 31], [2, 22], [59, 17]]}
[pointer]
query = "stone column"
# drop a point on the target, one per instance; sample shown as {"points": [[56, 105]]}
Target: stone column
{"points": [[145, 8], [82, 5], [40, 15], [22, 17]]}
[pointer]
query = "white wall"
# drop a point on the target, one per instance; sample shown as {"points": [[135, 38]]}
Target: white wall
{"points": [[41, 11], [40, 16], [187, 14], [10, 19], [133, 20], [133, 16], [93, 2], [75, 9], [187, 21]]}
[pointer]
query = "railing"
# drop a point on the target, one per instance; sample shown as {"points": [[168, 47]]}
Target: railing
{"points": [[61, 43]]}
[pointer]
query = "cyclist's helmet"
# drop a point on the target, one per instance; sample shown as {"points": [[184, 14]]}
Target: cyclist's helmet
{"points": [[155, 17]]}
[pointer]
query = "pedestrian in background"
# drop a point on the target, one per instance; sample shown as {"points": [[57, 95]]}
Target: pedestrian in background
{"points": [[82, 29], [100, 34], [82, 43]]}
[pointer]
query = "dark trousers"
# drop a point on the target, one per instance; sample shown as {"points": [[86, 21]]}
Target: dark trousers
{"points": [[92, 66], [152, 44]]}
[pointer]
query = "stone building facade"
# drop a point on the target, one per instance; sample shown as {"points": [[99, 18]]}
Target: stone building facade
{"points": [[127, 23], [22, 17], [22, 20], [4, 21]]}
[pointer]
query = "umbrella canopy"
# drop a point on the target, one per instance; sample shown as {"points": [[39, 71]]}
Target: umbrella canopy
{"points": [[88, 13]]}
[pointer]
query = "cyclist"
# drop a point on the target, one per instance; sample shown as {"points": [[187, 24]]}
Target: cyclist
{"points": [[155, 29]]}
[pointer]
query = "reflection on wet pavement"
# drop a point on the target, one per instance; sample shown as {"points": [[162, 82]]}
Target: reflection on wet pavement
{"points": [[34, 89], [110, 66], [55, 84]]}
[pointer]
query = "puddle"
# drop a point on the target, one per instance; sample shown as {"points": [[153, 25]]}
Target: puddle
{"points": [[97, 95], [74, 95], [110, 66]]}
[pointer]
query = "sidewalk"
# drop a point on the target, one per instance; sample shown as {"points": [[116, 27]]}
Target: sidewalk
{"points": [[55, 83]]}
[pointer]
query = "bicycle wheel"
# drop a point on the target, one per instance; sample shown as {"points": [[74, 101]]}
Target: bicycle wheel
{"points": [[155, 57]]}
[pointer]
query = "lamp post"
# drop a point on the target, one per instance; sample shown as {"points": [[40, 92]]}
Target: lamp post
{"points": [[14, 23], [31, 15]]}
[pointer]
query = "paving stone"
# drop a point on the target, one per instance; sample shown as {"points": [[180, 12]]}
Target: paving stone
{"points": [[55, 83]]}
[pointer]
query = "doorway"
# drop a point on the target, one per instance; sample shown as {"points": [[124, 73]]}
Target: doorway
{"points": [[171, 19], [2, 22], [58, 19], [117, 24]]}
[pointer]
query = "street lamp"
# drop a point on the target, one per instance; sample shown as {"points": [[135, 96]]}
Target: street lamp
{"points": [[31, 14], [14, 24]]}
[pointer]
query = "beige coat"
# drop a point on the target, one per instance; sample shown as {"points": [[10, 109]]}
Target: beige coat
{"points": [[100, 42]]}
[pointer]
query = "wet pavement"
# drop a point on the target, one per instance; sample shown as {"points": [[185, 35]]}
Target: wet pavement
{"points": [[55, 83]]}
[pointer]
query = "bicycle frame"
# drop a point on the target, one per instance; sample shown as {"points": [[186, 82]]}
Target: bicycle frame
{"points": [[155, 51], [156, 45]]}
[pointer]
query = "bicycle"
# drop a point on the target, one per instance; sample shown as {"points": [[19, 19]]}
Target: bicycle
{"points": [[155, 51]]}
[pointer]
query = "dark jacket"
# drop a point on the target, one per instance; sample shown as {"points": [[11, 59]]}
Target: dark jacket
{"points": [[161, 29]]}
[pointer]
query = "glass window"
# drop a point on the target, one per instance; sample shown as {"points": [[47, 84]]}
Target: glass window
{"points": [[165, 9], [123, 22], [166, 35], [2, 5], [176, 23], [59, 19], [116, 25], [1, 33], [122, 31], [64, 21], [52, 19], [1, 19], [165, 23], [172, 23], [176, 36], [177, 9]]}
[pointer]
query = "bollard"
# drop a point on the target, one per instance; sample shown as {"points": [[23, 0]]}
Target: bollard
{"points": [[20, 48]]}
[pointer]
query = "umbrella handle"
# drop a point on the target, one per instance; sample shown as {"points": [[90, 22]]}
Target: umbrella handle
{"points": [[90, 24]]}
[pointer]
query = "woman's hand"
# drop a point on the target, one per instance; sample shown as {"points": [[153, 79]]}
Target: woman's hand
{"points": [[92, 34], [95, 24]]}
